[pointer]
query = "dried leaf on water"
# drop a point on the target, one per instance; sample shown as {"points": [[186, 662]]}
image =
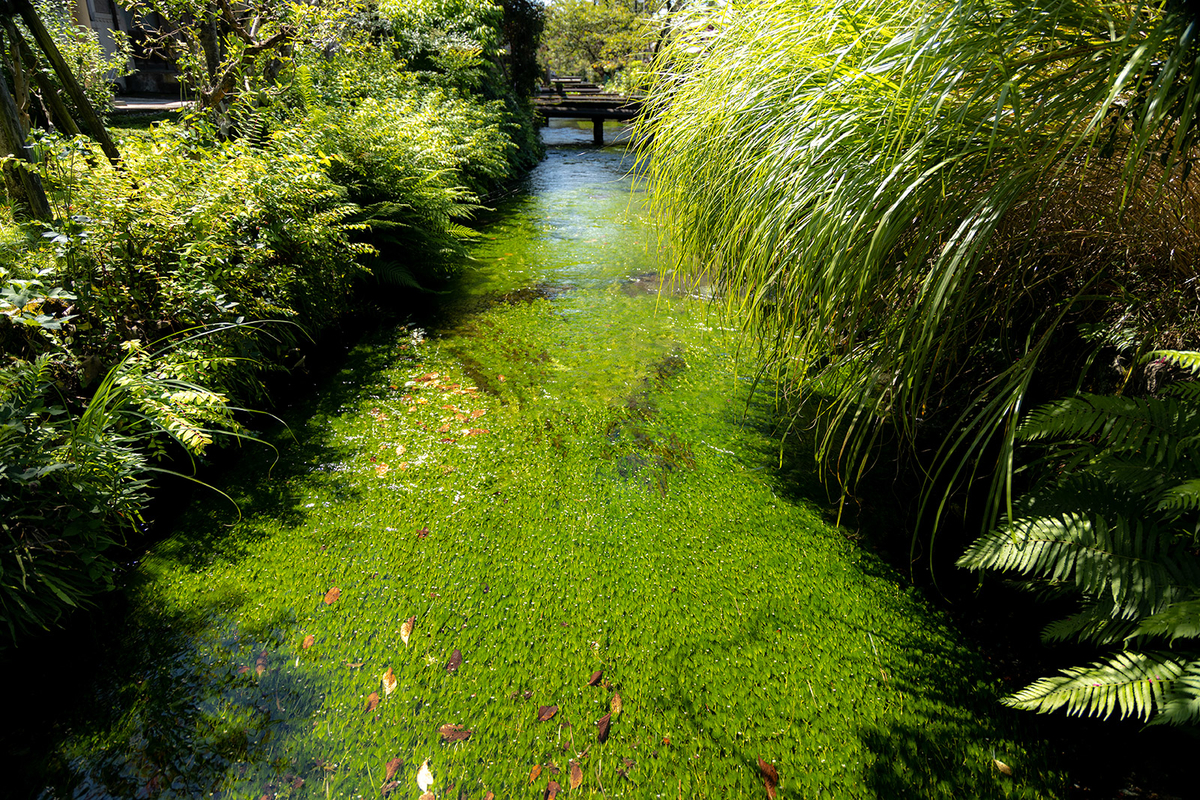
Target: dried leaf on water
{"points": [[406, 629], [454, 733], [389, 787], [576, 775], [308, 642], [424, 777], [552, 790], [533, 773], [490, 796], [455, 661], [389, 682], [1005, 769], [545, 713], [615, 705], [372, 702], [596, 676], [332, 595], [422, 533], [390, 770], [260, 664], [770, 777], [602, 726]]}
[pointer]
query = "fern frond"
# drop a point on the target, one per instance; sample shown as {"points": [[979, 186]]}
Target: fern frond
{"points": [[1133, 562], [1179, 620], [1133, 684], [1096, 623], [1187, 391], [1184, 497], [1188, 359]]}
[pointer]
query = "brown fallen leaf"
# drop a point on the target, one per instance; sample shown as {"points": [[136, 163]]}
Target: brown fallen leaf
{"points": [[260, 663], [389, 787], [308, 642], [770, 777], [372, 702], [406, 629], [382, 470], [444, 429], [390, 770], [615, 705], [596, 676], [332, 595], [490, 796], [454, 733], [1005, 769], [533, 773], [546, 712], [576, 773], [477, 413], [422, 533], [552, 790], [427, 796], [477, 431], [389, 682], [455, 661], [602, 726]]}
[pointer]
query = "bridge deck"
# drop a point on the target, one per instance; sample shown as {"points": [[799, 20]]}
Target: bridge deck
{"points": [[588, 103]]}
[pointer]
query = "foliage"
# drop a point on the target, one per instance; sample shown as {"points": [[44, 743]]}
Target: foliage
{"points": [[915, 204], [1115, 521], [81, 49], [593, 39], [71, 485]]}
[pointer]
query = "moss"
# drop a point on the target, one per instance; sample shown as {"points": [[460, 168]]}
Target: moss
{"points": [[591, 493]]}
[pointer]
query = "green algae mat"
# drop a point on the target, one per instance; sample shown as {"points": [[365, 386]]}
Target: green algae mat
{"points": [[538, 549]]}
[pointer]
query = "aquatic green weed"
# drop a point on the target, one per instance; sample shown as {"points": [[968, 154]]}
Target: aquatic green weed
{"points": [[551, 488]]}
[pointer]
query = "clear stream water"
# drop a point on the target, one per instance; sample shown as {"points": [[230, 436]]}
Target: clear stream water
{"points": [[540, 546]]}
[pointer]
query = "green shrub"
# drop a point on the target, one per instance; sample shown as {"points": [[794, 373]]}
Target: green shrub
{"points": [[1114, 521]]}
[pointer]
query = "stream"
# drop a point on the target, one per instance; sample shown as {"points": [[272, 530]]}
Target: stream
{"points": [[536, 544]]}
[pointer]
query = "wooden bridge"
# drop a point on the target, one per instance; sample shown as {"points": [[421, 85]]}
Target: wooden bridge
{"points": [[571, 98]]}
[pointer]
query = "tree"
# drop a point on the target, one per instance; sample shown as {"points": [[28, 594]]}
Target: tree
{"points": [[594, 39]]}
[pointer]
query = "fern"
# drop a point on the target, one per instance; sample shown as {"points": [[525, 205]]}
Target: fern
{"points": [[1115, 520]]}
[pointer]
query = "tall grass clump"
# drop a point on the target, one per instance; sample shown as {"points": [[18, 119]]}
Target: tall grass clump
{"points": [[935, 213]]}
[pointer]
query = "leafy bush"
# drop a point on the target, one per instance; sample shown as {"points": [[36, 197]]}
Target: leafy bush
{"points": [[81, 49], [1115, 522], [72, 485]]}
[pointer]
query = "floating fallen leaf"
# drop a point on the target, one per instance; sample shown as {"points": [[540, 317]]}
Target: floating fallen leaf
{"points": [[602, 725], [546, 712], [615, 705], [477, 413], [500, 378], [308, 642], [332, 595], [596, 676], [1004, 768], [770, 777], [427, 796], [422, 533], [399, 449], [576, 773], [476, 431], [355, 665], [390, 770], [389, 787], [389, 682], [552, 790], [406, 629], [372, 702], [533, 773], [424, 777], [444, 429], [454, 733], [382, 469], [490, 796], [455, 661], [260, 664], [447, 441]]}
